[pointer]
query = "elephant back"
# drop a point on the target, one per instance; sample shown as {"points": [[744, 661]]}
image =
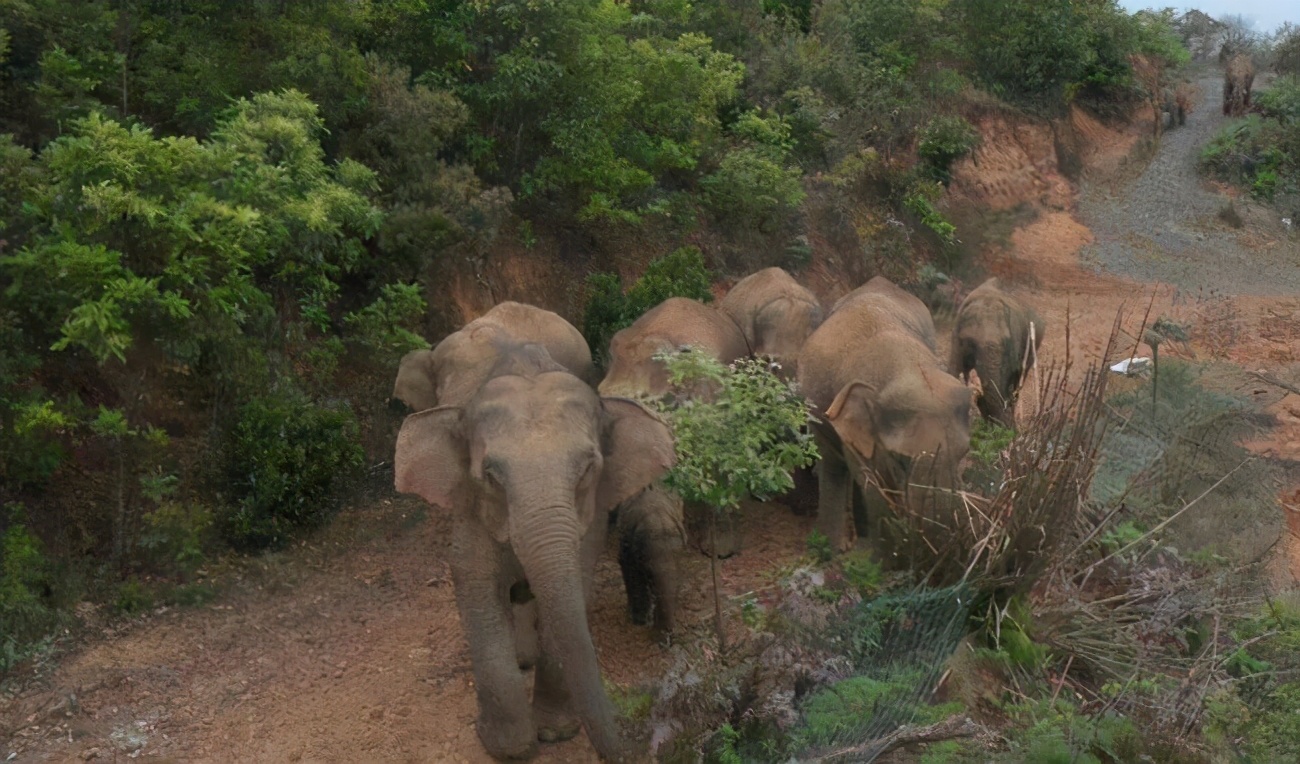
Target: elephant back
{"points": [[775, 312], [527, 323], [907, 308], [868, 339], [675, 323]]}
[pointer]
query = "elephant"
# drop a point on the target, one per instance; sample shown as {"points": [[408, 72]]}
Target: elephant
{"points": [[669, 326], [650, 534], [991, 336], [451, 372], [775, 313], [530, 465], [648, 545], [1238, 76], [907, 308], [893, 420]]}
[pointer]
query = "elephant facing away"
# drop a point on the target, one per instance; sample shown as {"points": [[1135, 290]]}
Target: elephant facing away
{"points": [[651, 525], [991, 336], [454, 370], [669, 326], [1238, 76], [894, 423], [775, 313], [530, 467]]}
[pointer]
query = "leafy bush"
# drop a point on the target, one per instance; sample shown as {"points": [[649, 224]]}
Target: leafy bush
{"points": [[745, 441], [754, 182], [1262, 152], [841, 712], [177, 536], [1060, 734], [943, 142], [1260, 714], [284, 462], [681, 273], [26, 614]]}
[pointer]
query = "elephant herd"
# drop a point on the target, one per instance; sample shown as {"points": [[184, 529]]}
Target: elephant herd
{"points": [[532, 454]]}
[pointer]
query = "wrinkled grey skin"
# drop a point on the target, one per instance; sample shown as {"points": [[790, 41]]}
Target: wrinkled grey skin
{"points": [[669, 326], [454, 370], [991, 337], [892, 417], [647, 548], [650, 535], [530, 467], [775, 313]]}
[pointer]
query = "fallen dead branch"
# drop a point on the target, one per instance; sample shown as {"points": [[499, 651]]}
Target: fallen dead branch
{"points": [[949, 729]]}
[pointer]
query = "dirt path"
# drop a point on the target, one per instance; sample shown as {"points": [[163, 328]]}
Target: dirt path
{"points": [[344, 649], [1166, 228], [348, 648]]}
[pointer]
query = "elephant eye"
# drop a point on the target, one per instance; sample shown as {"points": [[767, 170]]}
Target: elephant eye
{"points": [[589, 469], [492, 472]]}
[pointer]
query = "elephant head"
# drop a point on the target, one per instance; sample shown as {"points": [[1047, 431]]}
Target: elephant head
{"points": [[776, 314], [454, 370], [910, 434], [537, 461]]}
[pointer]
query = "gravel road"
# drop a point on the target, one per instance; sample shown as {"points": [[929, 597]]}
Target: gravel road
{"points": [[1164, 227]]}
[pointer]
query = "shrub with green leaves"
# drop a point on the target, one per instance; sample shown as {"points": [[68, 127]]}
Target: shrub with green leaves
{"points": [[26, 614], [746, 440], [285, 461], [1262, 151], [943, 142]]}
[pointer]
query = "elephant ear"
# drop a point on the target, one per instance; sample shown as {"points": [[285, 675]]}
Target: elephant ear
{"points": [[415, 381], [638, 450], [431, 459], [852, 416]]}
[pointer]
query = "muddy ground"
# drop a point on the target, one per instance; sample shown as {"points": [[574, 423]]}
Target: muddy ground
{"points": [[348, 647]]}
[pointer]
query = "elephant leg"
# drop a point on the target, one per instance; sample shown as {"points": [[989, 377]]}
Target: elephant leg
{"points": [[834, 500], [632, 560], [505, 722], [863, 519], [662, 560], [592, 546], [876, 508], [552, 708], [802, 499], [527, 646]]}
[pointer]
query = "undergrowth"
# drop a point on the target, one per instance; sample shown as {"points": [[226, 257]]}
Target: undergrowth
{"points": [[1133, 633]]}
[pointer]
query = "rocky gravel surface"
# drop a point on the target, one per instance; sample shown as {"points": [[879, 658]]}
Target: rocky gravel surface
{"points": [[1166, 225]]}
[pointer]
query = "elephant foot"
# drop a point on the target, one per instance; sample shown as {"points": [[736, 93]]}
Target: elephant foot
{"points": [[662, 633], [554, 726], [508, 740]]}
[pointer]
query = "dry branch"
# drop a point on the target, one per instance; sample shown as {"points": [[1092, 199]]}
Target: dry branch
{"points": [[948, 729]]}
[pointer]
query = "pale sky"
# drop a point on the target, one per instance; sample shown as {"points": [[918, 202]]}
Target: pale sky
{"points": [[1266, 14]]}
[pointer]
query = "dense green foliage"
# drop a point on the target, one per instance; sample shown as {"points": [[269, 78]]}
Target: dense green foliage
{"points": [[209, 209], [284, 460], [744, 440], [1261, 152]]}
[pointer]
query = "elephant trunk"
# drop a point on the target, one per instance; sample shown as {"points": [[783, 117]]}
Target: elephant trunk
{"points": [[546, 539]]}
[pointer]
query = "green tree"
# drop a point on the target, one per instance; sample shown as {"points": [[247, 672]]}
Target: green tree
{"points": [[745, 440]]}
